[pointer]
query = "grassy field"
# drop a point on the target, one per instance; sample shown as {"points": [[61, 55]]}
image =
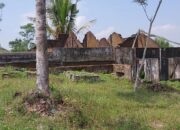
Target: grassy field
{"points": [[109, 104]]}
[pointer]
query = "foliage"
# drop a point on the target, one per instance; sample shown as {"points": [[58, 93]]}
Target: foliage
{"points": [[110, 104], [28, 33], [162, 43], [26, 42], [18, 45], [1, 7], [142, 74], [62, 14], [141, 2]]}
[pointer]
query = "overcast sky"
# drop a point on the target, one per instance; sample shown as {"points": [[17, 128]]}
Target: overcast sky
{"points": [[122, 16]]}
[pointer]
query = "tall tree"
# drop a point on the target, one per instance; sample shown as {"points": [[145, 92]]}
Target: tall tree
{"points": [[26, 41], [28, 32], [42, 81], [144, 4], [18, 45]]}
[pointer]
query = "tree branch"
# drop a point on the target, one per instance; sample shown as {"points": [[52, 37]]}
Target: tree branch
{"points": [[145, 11], [160, 2], [145, 49]]}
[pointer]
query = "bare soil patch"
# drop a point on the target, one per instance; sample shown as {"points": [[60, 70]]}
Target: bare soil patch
{"points": [[41, 104]]}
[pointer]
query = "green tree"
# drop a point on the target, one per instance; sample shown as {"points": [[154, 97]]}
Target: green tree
{"points": [[28, 34], [162, 43], [18, 45], [24, 43]]}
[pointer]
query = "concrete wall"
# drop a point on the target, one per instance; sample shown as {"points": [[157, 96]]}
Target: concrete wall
{"points": [[174, 68], [123, 55], [62, 56], [160, 63], [17, 57], [151, 69], [84, 55], [157, 52]]}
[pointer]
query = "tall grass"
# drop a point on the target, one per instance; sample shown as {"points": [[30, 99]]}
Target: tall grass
{"points": [[109, 104]]}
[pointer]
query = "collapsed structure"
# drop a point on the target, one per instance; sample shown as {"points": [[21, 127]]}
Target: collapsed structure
{"points": [[138, 41], [90, 41]]}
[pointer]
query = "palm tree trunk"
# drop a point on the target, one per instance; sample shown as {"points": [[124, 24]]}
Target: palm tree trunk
{"points": [[42, 81]]}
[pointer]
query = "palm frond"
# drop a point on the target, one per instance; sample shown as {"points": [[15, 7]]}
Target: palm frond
{"points": [[72, 17], [62, 14], [86, 26], [51, 31]]}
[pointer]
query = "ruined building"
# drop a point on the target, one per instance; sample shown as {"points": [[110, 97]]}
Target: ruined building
{"points": [[139, 41]]}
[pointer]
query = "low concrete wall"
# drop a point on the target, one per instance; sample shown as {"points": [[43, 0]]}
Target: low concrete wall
{"points": [[17, 57], [84, 55], [158, 63], [62, 57]]}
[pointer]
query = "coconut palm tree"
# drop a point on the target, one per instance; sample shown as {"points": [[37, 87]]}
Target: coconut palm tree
{"points": [[41, 51], [62, 14]]}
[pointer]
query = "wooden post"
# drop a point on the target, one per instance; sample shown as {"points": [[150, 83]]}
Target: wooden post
{"points": [[164, 73], [134, 64]]}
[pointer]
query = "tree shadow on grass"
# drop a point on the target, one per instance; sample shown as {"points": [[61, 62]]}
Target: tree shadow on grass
{"points": [[149, 99], [148, 93], [141, 96], [123, 123]]}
